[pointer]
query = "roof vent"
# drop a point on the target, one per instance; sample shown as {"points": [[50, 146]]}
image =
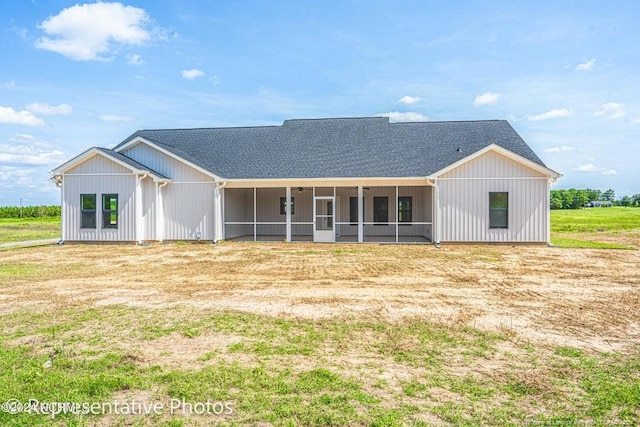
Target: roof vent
{"points": [[459, 150]]}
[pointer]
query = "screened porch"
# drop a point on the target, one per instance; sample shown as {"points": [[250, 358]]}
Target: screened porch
{"points": [[382, 214]]}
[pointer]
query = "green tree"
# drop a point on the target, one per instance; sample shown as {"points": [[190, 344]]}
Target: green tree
{"points": [[579, 198], [609, 195], [593, 194], [556, 200]]}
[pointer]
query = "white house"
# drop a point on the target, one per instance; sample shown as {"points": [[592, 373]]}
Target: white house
{"points": [[321, 180]]}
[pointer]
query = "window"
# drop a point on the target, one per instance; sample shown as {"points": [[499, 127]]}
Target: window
{"points": [[499, 210], [405, 207], [380, 210], [88, 209], [353, 210], [109, 211], [283, 205]]}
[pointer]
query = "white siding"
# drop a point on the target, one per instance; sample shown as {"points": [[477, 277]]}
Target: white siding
{"points": [[464, 201], [149, 209], [491, 165], [188, 209], [95, 176], [98, 164], [188, 200], [165, 164], [124, 186]]}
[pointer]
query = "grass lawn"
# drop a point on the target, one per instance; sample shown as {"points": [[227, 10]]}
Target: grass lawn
{"points": [[605, 228], [316, 335], [16, 230]]}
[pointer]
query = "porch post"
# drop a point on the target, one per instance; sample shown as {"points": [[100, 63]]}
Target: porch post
{"points": [[396, 209], [548, 205], [436, 232], [255, 218], [63, 210], [360, 214], [288, 205], [217, 214]]}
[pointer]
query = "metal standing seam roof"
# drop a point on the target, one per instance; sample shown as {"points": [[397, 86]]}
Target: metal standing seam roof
{"points": [[339, 147]]}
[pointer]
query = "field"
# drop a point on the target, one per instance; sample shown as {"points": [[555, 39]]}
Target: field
{"points": [[14, 229], [606, 228], [303, 334]]}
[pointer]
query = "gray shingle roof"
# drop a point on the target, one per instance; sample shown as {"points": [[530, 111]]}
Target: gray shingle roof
{"points": [[325, 148]]}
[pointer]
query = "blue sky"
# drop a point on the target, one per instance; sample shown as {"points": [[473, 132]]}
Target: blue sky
{"points": [[566, 74]]}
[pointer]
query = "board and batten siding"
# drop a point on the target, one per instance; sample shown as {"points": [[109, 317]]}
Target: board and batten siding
{"points": [[188, 210], [98, 164], [464, 201], [96, 176], [188, 201], [149, 209]]}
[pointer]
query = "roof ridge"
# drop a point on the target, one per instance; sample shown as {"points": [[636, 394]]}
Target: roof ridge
{"points": [[339, 118], [451, 121], [319, 119], [210, 128]]}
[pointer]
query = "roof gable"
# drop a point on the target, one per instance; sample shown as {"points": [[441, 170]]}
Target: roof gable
{"points": [[118, 158], [495, 161]]}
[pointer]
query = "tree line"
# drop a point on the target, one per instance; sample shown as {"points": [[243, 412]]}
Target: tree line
{"points": [[30, 211], [576, 198]]}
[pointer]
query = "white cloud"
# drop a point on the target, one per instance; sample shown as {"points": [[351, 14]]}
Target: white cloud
{"points": [[410, 116], [8, 85], [49, 110], [559, 149], [29, 155], [409, 100], [487, 98], [612, 110], [552, 114], [115, 118], [88, 32], [21, 137], [586, 66], [21, 32], [587, 167], [10, 116], [12, 176], [591, 168], [192, 74], [135, 59]]}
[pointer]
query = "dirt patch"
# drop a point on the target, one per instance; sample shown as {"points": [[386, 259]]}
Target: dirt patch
{"points": [[580, 297], [177, 351]]}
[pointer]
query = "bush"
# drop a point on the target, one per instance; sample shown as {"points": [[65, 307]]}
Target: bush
{"points": [[30, 211]]}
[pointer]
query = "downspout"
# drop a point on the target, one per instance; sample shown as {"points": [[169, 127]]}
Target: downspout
{"points": [[436, 230]]}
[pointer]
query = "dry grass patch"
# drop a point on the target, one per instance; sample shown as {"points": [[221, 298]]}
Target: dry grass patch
{"points": [[343, 335]]}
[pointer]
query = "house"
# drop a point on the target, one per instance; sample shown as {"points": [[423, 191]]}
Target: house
{"points": [[322, 180], [599, 204]]}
